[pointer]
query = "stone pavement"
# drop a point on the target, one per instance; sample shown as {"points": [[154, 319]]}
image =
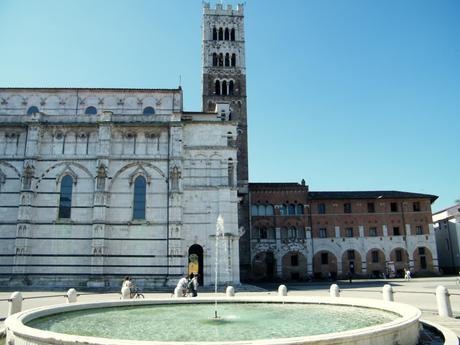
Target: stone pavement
{"points": [[419, 292]]}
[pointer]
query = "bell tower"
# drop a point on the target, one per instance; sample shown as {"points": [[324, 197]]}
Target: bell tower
{"points": [[224, 81]]}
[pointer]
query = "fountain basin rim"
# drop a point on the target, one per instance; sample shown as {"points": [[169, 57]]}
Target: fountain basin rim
{"points": [[409, 316]]}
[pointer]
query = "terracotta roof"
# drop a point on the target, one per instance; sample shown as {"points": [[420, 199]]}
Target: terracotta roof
{"points": [[386, 194]]}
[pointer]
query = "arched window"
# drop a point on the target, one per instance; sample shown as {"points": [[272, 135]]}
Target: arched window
{"points": [[214, 59], [32, 110], [291, 209], [299, 209], [232, 34], [292, 233], [262, 210], [230, 87], [214, 34], [65, 199], [269, 210], [254, 210], [227, 34], [217, 87], [283, 210], [221, 34], [221, 59], [90, 110], [148, 111], [139, 198], [224, 88], [233, 60], [227, 60]]}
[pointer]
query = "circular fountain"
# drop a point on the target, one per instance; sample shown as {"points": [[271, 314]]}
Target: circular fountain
{"points": [[261, 320]]}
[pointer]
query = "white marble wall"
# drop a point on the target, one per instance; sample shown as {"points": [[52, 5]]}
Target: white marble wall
{"points": [[101, 242]]}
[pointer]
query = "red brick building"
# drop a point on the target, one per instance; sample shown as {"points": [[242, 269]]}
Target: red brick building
{"points": [[296, 234]]}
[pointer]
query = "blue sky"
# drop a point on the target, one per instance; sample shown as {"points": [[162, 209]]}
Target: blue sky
{"points": [[349, 95]]}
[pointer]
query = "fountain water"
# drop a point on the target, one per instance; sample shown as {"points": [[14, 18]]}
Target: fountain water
{"points": [[219, 233]]}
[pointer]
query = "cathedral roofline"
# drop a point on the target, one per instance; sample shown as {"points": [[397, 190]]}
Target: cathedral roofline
{"points": [[50, 89]]}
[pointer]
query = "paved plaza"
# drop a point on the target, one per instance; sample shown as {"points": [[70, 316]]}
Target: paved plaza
{"points": [[419, 292]]}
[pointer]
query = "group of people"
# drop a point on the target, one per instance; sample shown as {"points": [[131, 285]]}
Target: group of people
{"points": [[188, 284]]}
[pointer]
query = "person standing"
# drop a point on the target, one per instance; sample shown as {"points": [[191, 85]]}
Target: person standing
{"points": [[195, 285]]}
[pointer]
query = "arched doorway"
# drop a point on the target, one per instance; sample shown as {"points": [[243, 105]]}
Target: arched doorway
{"points": [[263, 266], [195, 261]]}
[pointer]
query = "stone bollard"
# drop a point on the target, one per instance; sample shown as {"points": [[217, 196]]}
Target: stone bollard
{"points": [[443, 301], [230, 291], [282, 290], [125, 293], [177, 292], [387, 293], [334, 290], [71, 296], [15, 305]]}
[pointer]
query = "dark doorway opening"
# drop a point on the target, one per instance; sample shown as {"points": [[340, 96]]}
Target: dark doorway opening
{"points": [[195, 261], [270, 265]]}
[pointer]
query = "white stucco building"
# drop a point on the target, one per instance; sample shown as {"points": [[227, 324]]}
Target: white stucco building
{"points": [[447, 231], [96, 184]]}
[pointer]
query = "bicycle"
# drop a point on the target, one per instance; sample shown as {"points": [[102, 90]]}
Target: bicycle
{"points": [[136, 293]]}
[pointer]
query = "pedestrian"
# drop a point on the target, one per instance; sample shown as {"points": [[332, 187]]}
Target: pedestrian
{"points": [[350, 277], [182, 285], [195, 285], [127, 284], [407, 274]]}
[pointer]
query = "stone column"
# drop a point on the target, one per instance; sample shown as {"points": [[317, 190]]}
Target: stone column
{"points": [[309, 243]]}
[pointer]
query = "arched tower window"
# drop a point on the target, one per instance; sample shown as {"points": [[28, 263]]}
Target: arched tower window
{"points": [[221, 34], [233, 60], [221, 59], [65, 198], [230, 88], [232, 34], [32, 110], [214, 59], [262, 210], [299, 209], [139, 198], [224, 88], [291, 209], [217, 87], [148, 111], [214, 34], [90, 111], [227, 60], [270, 210], [227, 34]]}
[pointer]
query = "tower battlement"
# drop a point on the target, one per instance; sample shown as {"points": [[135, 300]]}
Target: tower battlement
{"points": [[219, 9]]}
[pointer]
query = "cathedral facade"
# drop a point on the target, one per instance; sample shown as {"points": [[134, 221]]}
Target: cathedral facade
{"points": [[97, 184]]}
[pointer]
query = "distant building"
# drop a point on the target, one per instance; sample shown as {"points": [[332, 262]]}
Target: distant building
{"points": [[447, 231], [297, 234]]}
